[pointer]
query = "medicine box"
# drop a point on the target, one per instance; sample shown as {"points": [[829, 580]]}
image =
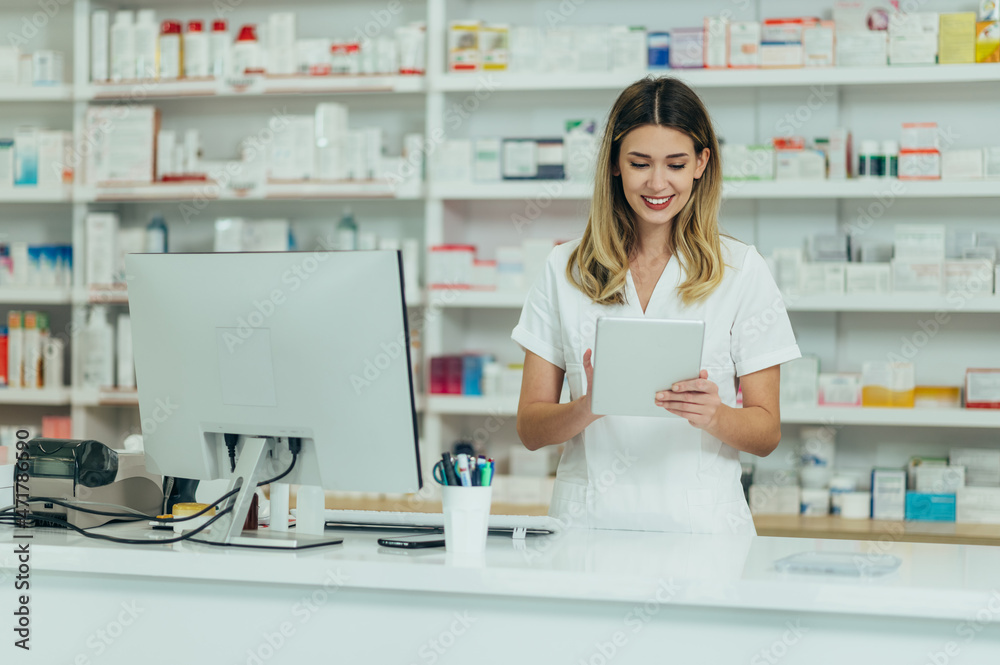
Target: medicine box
{"points": [[988, 41], [939, 478], [628, 48], [101, 248], [982, 388], [917, 462], [716, 42], [982, 465], [977, 505], [744, 44], [868, 278], [6, 163], [957, 38], [862, 49], [962, 164], [775, 500], [450, 266], [486, 160], [839, 390], [919, 165], [888, 494], [973, 277], [452, 161], [917, 276], [493, 50], [658, 45], [822, 278], [519, 159], [928, 506], [687, 48], [885, 384], [920, 241], [26, 156], [937, 397], [463, 46], [818, 44]]}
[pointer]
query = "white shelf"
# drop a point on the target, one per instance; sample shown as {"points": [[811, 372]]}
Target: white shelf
{"points": [[195, 191], [720, 78], [476, 299], [13, 295], [27, 93], [892, 417], [892, 302], [254, 86], [104, 397], [39, 397], [36, 195], [504, 405], [542, 190]]}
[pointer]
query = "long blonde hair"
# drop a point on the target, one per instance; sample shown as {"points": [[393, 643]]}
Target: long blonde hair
{"points": [[599, 264]]}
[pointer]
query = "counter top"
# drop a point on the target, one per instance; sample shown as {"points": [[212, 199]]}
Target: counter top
{"points": [[934, 581]]}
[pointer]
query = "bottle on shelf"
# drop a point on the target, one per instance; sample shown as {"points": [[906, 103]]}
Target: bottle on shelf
{"points": [[145, 33], [98, 350], [15, 350], [123, 46], [171, 50], [247, 56], [219, 49], [156, 234], [347, 231], [196, 58]]}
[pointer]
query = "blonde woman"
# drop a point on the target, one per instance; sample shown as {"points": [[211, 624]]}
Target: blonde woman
{"points": [[652, 249]]}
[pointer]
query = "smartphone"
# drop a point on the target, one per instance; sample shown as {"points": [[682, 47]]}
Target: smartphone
{"points": [[414, 542]]}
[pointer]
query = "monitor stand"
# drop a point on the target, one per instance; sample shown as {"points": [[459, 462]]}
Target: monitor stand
{"points": [[228, 530]]}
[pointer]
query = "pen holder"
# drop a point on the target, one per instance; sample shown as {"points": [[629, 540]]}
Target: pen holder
{"points": [[466, 517]]}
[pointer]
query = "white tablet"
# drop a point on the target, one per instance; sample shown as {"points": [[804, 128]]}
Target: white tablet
{"points": [[636, 358]]}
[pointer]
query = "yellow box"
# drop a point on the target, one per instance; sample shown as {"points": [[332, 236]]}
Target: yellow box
{"points": [[885, 384], [957, 39], [938, 397], [988, 41]]}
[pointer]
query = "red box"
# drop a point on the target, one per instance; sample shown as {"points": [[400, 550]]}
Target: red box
{"points": [[982, 388]]}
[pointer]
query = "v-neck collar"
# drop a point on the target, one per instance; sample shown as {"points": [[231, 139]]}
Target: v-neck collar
{"points": [[633, 292]]}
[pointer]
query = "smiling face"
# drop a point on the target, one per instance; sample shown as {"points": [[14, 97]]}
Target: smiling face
{"points": [[658, 167]]}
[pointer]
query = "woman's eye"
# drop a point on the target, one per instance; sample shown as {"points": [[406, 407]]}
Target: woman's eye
{"points": [[677, 167], [638, 166]]}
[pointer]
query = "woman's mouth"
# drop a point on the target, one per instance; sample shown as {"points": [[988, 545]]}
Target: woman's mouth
{"points": [[658, 203]]}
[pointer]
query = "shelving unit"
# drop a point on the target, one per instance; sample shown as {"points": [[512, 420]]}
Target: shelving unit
{"points": [[749, 106]]}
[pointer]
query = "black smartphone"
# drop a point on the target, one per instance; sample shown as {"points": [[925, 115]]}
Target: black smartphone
{"points": [[414, 542]]}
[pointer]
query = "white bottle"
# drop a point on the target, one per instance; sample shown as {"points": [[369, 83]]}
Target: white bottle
{"points": [[196, 63], [247, 57], [99, 46], [219, 50], [122, 46], [126, 364], [145, 32], [171, 51], [98, 359]]}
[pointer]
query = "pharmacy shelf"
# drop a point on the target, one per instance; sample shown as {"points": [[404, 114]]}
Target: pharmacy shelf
{"points": [[893, 302], [16, 295], [476, 299], [455, 405], [104, 397], [196, 192], [36, 195], [719, 78], [882, 188], [798, 526], [94, 296], [252, 86], [37, 397], [53, 93], [836, 416]]}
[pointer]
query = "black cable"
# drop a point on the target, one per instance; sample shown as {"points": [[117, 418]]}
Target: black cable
{"points": [[128, 541], [66, 504], [231, 441]]}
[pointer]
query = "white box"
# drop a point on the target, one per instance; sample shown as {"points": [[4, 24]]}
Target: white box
{"points": [[977, 505], [918, 136], [888, 494], [450, 266], [166, 141], [868, 278], [452, 161], [916, 276], [862, 49], [102, 248], [486, 160], [52, 147], [825, 278], [744, 44], [48, 68], [913, 49], [962, 164], [281, 43], [292, 153], [716, 36], [229, 232], [123, 140], [839, 390], [982, 465], [815, 502], [919, 165], [939, 478], [628, 49], [920, 241], [969, 276], [266, 235], [781, 55], [818, 44], [520, 158], [10, 65], [775, 500]]}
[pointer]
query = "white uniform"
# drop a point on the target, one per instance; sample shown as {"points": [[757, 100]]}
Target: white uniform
{"points": [[658, 474]]}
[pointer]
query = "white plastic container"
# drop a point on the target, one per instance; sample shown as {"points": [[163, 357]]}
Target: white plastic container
{"points": [[247, 55], [123, 46], [219, 50], [98, 355], [171, 51], [146, 32], [466, 518], [196, 51], [99, 25], [856, 505]]}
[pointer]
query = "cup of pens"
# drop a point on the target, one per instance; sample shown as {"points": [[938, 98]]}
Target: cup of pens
{"points": [[466, 491]]}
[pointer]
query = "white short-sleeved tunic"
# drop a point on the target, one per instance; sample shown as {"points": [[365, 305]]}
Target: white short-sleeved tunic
{"points": [[658, 474]]}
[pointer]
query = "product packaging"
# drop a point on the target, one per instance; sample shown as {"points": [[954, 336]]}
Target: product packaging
{"points": [[628, 48], [716, 42], [102, 248], [888, 494], [658, 45], [463, 46], [982, 388], [493, 50], [920, 241], [197, 62], [486, 160], [687, 48], [281, 43], [146, 34], [840, 390], [885, 384], [123, 46], [938, 478], [868, 278], [822, 278], [123, 141], [930, 506], [957, 39], [744, 44], [962, 164], [15, 349], [977, 505]]}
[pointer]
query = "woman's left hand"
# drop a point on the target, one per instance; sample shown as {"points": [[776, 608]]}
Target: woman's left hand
{"points": [[696, 400]]}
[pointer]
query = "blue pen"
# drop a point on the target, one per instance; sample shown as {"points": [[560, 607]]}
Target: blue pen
{"points": [[463, 470]]}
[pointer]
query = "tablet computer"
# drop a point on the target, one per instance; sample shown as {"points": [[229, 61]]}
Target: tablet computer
{"points": [[636, 358]]}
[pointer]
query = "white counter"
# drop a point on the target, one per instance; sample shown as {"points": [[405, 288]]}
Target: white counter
{"points": [[579, 596]]}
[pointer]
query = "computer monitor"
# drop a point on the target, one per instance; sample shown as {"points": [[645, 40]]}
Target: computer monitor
{"points": [[273, 347]]}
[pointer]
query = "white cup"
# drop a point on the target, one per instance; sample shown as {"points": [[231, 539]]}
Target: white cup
{"points": [[466, 517]]}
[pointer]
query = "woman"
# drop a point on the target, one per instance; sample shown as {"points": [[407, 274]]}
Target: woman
{"points": [[652, 249]]}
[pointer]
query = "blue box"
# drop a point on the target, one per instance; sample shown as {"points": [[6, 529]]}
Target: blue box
{"points": [[658, 45], [472, 375], [930, 506]]}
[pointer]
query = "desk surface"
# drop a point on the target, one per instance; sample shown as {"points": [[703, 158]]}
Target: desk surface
{"points": [[934, 581]]}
